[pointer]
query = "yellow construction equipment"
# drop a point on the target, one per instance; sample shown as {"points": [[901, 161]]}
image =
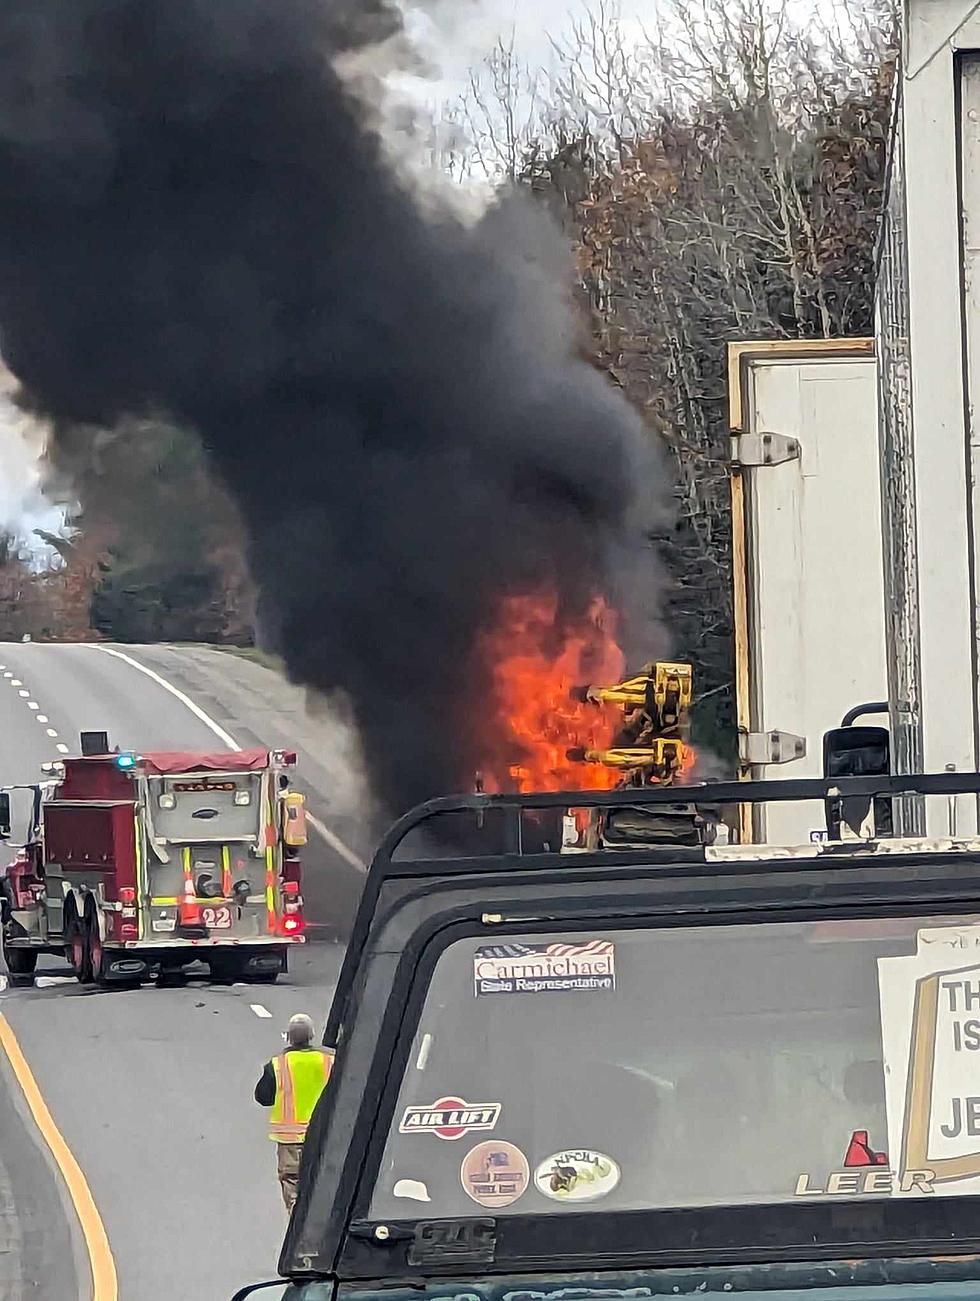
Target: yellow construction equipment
{"points": [[663, 690], [651, 744], [665, 755]]}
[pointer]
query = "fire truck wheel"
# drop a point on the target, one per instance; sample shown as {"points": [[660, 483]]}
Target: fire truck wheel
{"points": [[96, 954], [76, 951], [20, 965]]}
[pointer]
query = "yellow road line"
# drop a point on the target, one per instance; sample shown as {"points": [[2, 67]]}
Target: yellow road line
{"points": [[104, 1285]]}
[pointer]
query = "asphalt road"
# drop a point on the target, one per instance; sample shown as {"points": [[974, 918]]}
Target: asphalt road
{"points": [[152, 1089]]}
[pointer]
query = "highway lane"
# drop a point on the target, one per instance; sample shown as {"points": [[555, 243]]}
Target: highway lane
{"points": [[153, 1088]]}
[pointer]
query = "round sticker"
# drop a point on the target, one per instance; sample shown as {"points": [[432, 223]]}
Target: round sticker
{"points": [[495, 1174], [576, 1175]]}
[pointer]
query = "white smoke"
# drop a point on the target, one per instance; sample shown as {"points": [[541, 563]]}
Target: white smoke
{"points": [[23, 506]]}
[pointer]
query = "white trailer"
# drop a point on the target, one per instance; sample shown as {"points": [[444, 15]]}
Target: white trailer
{"points": [[929, 361], [808, 597]]}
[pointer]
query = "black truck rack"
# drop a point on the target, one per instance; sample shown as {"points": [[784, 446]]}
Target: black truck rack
{"points": [[511, 813]]}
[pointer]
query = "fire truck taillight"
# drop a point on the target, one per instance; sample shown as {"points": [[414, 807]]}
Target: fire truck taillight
{"points": [[292, 924], [126, 894], [129, 931]]}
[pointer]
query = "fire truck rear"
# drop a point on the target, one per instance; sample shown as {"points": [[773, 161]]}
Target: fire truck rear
{"points": [[138, 864]]}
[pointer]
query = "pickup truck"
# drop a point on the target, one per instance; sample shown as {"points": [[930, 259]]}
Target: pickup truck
{"points": [[693, 1069]]}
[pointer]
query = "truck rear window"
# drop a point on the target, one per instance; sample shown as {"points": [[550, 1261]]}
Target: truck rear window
{"points": [[695, 1066]]}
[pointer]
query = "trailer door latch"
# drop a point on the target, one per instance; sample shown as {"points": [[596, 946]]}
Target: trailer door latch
{"points": [[752, 450], [770, 747]]}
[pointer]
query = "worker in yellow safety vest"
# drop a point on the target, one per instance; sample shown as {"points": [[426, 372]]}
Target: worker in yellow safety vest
{"points": [[291, 1084]]}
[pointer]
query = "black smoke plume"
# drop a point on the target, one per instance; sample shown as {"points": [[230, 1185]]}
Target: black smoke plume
{"points": [[197, 224]]}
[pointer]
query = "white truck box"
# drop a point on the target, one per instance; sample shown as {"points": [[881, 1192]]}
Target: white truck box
{"points": [[809, 602]]}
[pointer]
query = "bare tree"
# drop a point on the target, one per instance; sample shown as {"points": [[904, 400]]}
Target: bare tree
{"points": [[720, 174]]}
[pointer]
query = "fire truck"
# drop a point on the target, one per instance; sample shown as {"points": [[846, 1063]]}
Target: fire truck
{"points": [[136, 864]]}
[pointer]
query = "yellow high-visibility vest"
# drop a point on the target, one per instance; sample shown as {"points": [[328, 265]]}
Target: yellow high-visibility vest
{"points": [[300, 1079]]}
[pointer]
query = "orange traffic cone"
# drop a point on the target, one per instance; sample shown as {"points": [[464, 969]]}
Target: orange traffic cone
{"points": [[190, 909]]}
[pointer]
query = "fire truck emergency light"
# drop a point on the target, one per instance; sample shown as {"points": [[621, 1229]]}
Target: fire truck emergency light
{"points": [[125, 760]]}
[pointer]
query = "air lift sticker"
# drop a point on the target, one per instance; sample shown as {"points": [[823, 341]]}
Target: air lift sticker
{"points": [[544, 968], [450, 1118], [495, 1174], [930, 1030], [576, 1175]]}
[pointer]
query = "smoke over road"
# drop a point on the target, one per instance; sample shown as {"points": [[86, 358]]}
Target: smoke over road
{"points": [[197, 223]]}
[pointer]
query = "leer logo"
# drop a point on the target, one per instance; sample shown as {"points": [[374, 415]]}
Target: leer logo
{"points": [[865, 1173], [450, 1118]]}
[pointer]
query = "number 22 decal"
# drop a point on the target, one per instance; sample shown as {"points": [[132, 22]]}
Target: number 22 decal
{"points": [[216, 919]]}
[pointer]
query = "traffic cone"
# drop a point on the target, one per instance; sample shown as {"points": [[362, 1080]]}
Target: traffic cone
{"points": [[190, 909]]}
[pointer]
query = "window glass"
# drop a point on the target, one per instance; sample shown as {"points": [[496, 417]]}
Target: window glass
{"points": [[695, 1066]]}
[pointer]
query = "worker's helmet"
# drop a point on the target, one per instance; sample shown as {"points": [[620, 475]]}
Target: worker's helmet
{"points": [[300, 1030]]}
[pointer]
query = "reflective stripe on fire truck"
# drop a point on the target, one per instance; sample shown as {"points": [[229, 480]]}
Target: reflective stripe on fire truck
{"points": [[140, 883], [270, 888], [226, 871]]}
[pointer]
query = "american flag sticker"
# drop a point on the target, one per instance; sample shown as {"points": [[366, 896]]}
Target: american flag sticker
{"points": [[544, 968]]}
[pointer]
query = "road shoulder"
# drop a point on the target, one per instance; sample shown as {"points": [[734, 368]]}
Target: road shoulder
{"points": [[45, 1254]]}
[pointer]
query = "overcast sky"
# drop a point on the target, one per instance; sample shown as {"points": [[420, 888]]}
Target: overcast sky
{"points": [[458, 37]]}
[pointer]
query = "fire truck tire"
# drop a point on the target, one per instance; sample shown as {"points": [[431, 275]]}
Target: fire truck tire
{"points": [[96, 953], [77, 952], [20, 965]]}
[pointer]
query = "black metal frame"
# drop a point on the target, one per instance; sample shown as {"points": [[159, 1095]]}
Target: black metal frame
{"points": [[413, 908], [703, 795]]}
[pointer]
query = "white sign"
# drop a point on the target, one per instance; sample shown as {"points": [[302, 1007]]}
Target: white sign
{"points": [[930, 1030]]}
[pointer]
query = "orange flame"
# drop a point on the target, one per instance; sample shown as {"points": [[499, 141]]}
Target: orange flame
{"points": [[536, 660]]}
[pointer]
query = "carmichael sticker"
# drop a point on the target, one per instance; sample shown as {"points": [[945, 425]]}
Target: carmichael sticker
{"points": [[450, 1118], [576, 1175], [495, 1174], [544, 968]]}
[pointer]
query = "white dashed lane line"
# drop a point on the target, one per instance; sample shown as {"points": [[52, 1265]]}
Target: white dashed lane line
{"points": [[260, 1011], [34, 707]]}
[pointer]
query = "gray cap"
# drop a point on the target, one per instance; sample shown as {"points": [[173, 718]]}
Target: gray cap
{"points": [[300, 1030]]}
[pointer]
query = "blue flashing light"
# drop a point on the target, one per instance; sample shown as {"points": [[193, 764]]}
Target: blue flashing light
{"points": [[126, 760]]}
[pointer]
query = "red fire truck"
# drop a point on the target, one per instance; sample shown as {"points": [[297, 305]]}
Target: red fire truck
{"points": [[141, 863]]}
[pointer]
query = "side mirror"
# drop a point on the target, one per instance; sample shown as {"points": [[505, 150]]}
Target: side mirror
{"points": [[857, 752], [4, 813]]}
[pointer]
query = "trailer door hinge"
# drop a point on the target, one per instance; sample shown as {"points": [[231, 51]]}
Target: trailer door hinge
{"points": [[770, 747], [750, 450]]}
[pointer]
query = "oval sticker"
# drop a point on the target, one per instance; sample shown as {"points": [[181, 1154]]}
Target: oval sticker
{"points": [[576, 1175], [495, 1174]]}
